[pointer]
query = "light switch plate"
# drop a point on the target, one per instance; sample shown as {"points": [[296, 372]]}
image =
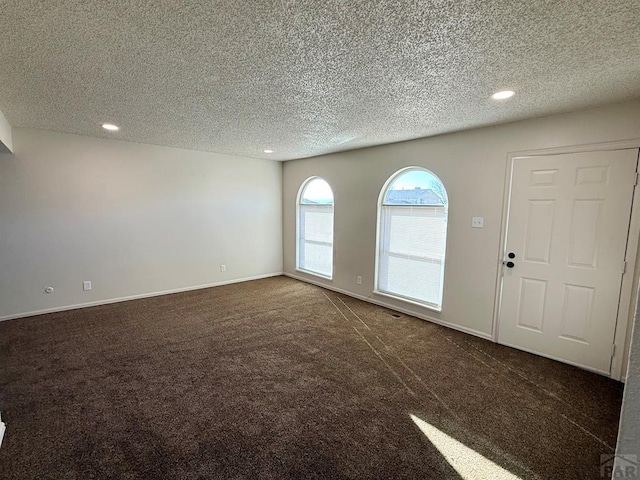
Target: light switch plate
{"points": [[477, 222]]}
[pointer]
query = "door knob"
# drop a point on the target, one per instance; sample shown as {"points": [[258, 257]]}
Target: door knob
{"points": [[510, 264], [511, 255]]}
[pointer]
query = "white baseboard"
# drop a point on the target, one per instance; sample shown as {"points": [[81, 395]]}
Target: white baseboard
{"points": [[135, 297], [471, 331]]}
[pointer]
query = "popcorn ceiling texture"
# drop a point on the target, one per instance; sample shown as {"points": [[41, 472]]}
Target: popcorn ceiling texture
{"points": [[307, 77]]}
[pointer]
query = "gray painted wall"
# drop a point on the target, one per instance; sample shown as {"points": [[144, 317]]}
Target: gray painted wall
{"points": [[134, 219]]}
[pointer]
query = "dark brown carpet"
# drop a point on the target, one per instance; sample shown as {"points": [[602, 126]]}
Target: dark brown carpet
{"points": [[280, 379]]}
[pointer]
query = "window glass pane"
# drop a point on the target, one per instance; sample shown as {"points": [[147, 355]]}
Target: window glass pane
{"points": [[417, 231], [317, 191], [318, 258], [416, 187], [407, 277], [318, 221]]}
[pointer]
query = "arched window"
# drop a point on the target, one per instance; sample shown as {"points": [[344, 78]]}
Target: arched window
{"points": [[412, 234], [315, 227]]}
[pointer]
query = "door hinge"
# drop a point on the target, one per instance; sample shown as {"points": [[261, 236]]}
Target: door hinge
{"points": [[624, 267], [635, 180], [613, 350]]}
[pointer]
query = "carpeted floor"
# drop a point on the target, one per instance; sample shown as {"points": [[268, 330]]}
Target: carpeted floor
{"points": [[280, 379]]}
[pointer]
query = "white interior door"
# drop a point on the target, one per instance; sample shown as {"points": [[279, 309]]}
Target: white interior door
{"points": [[568, 222]]}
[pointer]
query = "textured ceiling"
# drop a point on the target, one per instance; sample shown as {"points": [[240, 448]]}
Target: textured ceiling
{"points": [[307, 77]]}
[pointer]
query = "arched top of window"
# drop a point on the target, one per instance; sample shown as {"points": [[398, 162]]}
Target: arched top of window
{"points": [[415, 186], [316, 191]]}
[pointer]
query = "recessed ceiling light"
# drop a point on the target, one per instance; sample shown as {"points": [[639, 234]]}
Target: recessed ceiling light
{"points": [[503, 95], [111, 127], [266, 150]]}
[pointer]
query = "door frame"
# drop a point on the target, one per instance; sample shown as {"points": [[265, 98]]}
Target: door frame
{"points": [[629, 294]]}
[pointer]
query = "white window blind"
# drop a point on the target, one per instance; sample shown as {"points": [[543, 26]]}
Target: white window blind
{"points": [[316, 239]]}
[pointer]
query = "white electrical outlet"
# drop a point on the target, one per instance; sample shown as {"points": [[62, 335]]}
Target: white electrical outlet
{"points": [[86, 285], [359, 280], [477, 222], [223, 268]]}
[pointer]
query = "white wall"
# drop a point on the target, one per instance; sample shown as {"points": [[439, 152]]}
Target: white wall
{"points": [[472, 165], [6, 141], [134, 219], [629, 433]]}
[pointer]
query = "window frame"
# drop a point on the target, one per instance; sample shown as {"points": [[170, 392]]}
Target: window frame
{"points": [[299, 203], [380, 234]]}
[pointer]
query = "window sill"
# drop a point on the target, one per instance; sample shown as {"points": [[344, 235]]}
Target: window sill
{"points": [[408, 300], [315, 274]]}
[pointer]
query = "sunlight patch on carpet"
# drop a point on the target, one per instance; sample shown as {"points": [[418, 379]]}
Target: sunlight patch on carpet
{"points": [[469, 464]]}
